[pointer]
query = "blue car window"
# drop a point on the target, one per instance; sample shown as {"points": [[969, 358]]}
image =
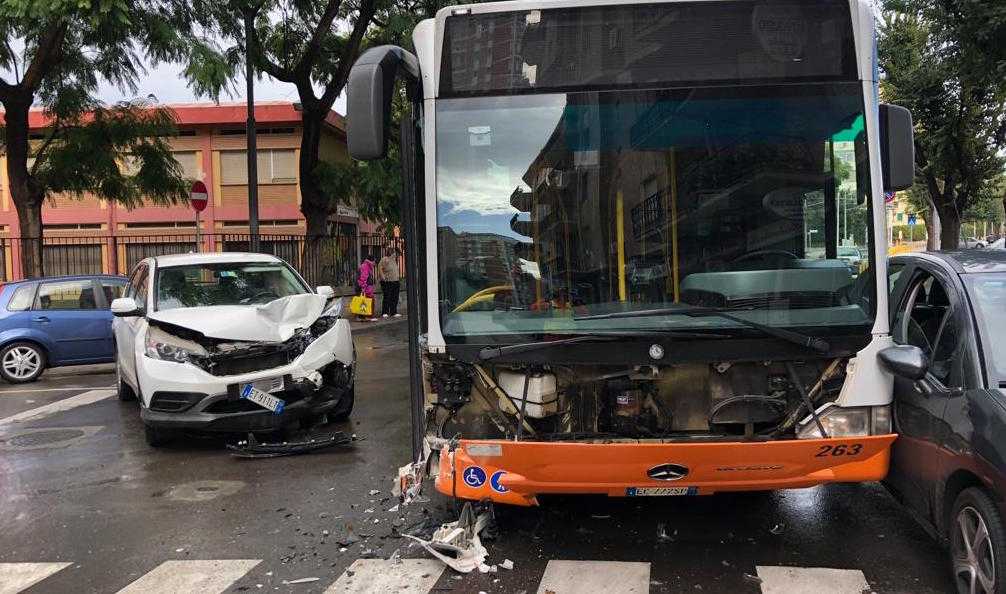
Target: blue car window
{"points": [[21, 299], [66, 295]]}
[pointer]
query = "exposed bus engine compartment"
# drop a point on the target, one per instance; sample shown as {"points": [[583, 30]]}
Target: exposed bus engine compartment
{"points": [[728, 401]]}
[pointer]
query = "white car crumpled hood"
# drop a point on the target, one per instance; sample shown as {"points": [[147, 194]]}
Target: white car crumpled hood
{"points": [[275, 321]]}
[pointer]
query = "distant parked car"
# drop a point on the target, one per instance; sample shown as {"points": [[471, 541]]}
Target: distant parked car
{"points": [[948, 465], [51, 322], [852, 257], [972, 243], [998, 244]]}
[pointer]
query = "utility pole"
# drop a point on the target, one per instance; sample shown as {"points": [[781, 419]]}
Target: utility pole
{"points": [[250, 134]]}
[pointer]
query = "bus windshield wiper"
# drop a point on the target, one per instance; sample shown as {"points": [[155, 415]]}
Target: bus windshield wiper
{"points": [[493, 352], [811, 342]]}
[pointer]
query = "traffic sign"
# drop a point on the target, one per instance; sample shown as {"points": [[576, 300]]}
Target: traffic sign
{"points": [[198, 196], [911, 219]]}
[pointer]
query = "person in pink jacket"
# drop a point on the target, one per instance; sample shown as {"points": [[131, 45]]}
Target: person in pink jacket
{"points": [[365, 279]]}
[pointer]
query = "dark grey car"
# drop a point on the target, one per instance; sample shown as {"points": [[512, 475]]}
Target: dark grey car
{"points": [[949, 462]]}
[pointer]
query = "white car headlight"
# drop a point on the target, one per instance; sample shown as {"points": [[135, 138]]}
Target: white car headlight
{"points": [[165, 347], [838, 421]]}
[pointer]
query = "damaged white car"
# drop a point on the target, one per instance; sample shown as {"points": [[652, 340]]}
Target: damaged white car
{"points": [[230, 342]]}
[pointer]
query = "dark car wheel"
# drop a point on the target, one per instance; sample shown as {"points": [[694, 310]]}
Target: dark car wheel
{"points": [[157, 436], [21, 362], [125, 392], [342, 410], [977, 544]]}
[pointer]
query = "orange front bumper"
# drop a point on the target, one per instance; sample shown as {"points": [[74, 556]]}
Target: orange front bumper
{"points": [[516, 472]]}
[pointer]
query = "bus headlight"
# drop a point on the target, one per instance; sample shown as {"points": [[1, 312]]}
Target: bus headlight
{"points": [[856, 421]]}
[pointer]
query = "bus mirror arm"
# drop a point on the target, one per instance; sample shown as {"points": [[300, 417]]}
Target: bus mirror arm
{"points": [[897, 147], [369, 90]]}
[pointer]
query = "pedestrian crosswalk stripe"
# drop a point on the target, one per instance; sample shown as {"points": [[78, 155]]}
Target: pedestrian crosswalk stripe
{"points": [[40, 412], [15, 577], [820, 580], [377, 576], [203, 576], [610, 577]]}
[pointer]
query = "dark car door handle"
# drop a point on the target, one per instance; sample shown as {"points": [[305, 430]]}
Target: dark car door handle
{"points": [[42, 319]]}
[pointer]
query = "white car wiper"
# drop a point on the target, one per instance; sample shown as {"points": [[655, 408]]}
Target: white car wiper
{"points": [[812, 342]]}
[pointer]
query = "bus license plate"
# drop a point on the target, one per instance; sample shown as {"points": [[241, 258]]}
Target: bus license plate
{"points": [[250, 392], [660, 491]]}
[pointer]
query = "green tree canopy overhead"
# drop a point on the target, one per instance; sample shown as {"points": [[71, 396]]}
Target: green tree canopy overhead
{"points": [[54, 56], [945, 60]]}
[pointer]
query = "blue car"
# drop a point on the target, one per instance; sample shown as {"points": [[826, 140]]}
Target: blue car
{"points": [[51, 322]]}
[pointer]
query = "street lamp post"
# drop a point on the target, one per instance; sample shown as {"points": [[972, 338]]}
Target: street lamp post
{"points": [[250, 135]]}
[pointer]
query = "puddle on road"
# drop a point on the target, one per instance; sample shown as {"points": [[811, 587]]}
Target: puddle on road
{"points": [[45, 438], [203, 490]]}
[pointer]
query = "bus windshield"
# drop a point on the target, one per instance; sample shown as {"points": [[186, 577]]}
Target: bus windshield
{"points": [[560, 205]]}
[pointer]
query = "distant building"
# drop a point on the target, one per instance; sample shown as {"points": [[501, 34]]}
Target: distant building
{"points": [[211, 146]]}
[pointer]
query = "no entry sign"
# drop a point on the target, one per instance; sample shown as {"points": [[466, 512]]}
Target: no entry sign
{"points": [[198, 196]]}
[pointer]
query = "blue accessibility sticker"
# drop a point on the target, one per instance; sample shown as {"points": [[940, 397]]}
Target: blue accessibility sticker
{"points": [[494, 482], [474, 477]]}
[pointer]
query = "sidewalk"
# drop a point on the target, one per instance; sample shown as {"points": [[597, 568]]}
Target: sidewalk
{"points": [[359, 325]]}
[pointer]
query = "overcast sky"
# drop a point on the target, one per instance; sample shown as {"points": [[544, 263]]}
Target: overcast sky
{"points": [[167, 84]]}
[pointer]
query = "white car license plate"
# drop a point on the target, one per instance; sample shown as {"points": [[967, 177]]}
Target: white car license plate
{"points": [[268, 401], [660, 491]]}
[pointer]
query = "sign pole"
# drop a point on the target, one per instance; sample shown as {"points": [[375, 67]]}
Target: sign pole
{"points": [[199, 234]]}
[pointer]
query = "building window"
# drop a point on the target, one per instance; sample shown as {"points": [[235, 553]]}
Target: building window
{"points": [[275, 166], [189, 163], [901, 216]]}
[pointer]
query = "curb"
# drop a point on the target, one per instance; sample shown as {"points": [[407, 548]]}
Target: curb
{"points": [[365, 327]]}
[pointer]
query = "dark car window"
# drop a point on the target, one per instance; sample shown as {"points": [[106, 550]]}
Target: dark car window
{"points": [[21, 299], [988, 294], [64, 295], [925, 319], [113, 289]]}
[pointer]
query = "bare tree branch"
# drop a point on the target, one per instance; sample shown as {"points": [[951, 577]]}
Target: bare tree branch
{"points": [[338, 81], [313, 46], [13, 59], [40, 153], [254, 46], [47, 54]]}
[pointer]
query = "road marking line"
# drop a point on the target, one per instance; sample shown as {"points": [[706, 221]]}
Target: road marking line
{"points": [[820, 580], [610, 577], [66, 389], [204, 576], [34, 414], [377, 576], [15, 577]]}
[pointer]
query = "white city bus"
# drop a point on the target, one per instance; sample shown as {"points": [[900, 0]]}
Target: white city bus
{"points": [[647, 246]]}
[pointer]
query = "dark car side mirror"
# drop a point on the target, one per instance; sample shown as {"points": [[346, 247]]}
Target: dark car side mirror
{"points": [[897, 147], [905, 361]]}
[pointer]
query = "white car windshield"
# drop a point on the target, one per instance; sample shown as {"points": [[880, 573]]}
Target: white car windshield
{"points": [[232, 283]]}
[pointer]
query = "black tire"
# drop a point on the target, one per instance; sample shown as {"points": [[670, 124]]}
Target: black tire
{"points": [[342, 410], [125, 392], [157, 436], [986, 562], [29, 349]]}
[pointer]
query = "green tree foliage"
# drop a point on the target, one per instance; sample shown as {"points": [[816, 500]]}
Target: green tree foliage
{"points": [[54, 55], [945, 60]]}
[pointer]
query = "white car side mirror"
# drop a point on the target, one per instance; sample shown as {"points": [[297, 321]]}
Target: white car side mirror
{"points": [[325, 291], [125, 307]]}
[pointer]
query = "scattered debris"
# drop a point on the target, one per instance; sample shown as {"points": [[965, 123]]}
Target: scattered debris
{"points": [[507, 565], [752, 578], [369, 510], [457, 544], [374, 492], [306, 580], [601, 516], [252, 448], [662, 535], [777, 529], [179, 550], [393, 509]]}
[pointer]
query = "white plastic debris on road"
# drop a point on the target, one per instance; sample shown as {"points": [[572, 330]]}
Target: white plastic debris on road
{"points": [[457, 544]]}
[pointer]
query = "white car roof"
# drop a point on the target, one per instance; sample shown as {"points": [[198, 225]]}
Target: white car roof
{"points": [[212, 258]]}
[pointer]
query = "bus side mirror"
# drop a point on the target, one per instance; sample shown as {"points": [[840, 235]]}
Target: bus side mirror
{"points": [[897, 147], [369, 90]]}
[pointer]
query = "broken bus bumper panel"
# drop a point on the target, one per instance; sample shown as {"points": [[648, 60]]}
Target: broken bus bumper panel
{"points": [[517, 472]]}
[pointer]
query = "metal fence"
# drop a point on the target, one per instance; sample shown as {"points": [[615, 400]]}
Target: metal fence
{"points": [[321, 260]]}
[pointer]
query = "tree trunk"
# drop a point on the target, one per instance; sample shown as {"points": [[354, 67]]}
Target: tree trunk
{"points": [[950, 229], [24, 190], [314, 204]]}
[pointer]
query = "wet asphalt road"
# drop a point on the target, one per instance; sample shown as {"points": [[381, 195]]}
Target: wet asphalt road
{"points": [[100, 499]]}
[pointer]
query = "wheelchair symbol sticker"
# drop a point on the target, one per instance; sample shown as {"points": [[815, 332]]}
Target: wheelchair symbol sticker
{"points": [[494, 482], [474, 477]]}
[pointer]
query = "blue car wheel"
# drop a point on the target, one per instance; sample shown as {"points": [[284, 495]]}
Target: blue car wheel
{"points": [[21, 362]]}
